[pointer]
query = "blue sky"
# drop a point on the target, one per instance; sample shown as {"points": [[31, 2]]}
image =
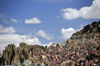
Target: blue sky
{"points": [[44, 21]]}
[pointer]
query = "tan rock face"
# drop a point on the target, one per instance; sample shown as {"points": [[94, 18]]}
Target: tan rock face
{"points": [[21, 53]]}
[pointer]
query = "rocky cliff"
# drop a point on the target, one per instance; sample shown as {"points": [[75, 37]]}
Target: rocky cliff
{"points": [[12, 54], [90, 32]]}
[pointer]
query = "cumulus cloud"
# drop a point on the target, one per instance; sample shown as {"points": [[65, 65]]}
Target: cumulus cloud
{"points": [[91, 12], [32, 21], [11, 38], [44, 35], [14, 20], [6, 39], [4, 29], [70, 13], [66, 33], [5, 21], [15, 39], [33, 41]]}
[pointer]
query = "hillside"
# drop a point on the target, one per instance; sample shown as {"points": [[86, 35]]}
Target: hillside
{"points": [[81, 49], [90, 32]]}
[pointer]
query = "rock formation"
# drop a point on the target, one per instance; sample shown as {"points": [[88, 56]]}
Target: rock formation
{"points": [[13, 54]]}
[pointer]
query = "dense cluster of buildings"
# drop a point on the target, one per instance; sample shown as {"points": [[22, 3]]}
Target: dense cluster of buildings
{"points": [[72, 55]]}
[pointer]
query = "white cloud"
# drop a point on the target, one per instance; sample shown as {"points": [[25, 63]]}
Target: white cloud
{"points": [[15, 39], [4, 29], [44, 35], [6, 39], [92, 12], [70, 13], [9, 38], [67, 32], [4, 21], [14, 20], [32, 21], [33, 41]]}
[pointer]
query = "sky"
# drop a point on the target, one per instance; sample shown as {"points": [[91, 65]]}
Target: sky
{"points": [[44, 21]]}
